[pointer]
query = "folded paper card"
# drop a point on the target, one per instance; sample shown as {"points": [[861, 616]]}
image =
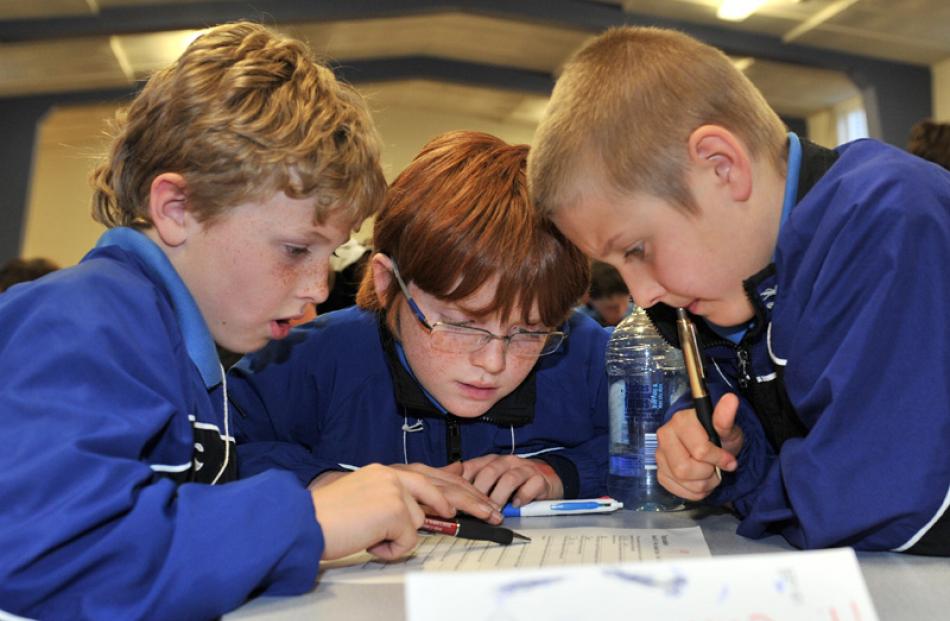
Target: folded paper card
{"points": [[792, 586]]}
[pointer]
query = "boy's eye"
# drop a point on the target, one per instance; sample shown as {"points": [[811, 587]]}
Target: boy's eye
{"points": [[634, 252], [296, 252]]}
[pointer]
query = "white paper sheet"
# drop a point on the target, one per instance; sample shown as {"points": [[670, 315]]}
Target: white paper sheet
{"points": [[548, 548], [825, 585]]}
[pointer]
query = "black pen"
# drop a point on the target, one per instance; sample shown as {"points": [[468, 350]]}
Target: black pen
{"points": [[694, 370], [471, 528]]}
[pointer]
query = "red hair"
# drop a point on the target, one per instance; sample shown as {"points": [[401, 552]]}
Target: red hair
{"points": [[460, 215]]}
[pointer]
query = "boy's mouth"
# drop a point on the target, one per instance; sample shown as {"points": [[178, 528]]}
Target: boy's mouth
{"points": [[280, 328], [478, 391]]}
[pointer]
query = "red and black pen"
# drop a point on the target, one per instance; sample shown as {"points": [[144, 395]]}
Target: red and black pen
{"points": [[471, 528]]}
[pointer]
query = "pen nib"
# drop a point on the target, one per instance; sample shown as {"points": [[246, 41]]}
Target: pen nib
{"points": [[520, 537]]}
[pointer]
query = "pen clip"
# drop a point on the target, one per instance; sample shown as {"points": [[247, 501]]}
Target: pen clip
{"points": [[694, 347]]}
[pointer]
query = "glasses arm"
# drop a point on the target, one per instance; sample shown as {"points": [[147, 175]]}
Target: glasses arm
{"points": [[405, 291]]}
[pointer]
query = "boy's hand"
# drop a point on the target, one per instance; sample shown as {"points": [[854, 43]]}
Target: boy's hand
{"points": [[500, 476], [462, 494], [686, 459], [377, 509]]}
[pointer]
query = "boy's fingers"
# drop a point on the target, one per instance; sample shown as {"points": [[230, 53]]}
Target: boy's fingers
{"points": [[730, 434], [508, 482], [678, 489], [488, 476], [455, 468], [532, 489], [425, 493], [724, 415], [400, 545], [475, 504], [684, 442], [472, 467]]}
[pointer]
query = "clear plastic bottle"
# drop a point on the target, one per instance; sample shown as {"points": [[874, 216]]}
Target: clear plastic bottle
{"points": [[645, 376]]}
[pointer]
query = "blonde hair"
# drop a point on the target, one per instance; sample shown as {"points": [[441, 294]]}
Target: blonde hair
{"points": [[242, 114], [458, 216], [627, 103]]}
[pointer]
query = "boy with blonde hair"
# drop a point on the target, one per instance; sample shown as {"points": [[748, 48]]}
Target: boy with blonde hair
{"points": [[235, 173], [817, 278]]}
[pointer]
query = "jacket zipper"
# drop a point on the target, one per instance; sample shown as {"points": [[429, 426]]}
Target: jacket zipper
{"points": [[453, 440]]}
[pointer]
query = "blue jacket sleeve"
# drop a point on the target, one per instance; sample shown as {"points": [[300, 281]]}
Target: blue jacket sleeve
{"points": [[866, 349], [88, 529]]}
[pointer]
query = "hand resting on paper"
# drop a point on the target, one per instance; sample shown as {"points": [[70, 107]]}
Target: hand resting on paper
{"points": [[457, 490], [511, 478], [375, 508], [686, 460], [460, 493]]}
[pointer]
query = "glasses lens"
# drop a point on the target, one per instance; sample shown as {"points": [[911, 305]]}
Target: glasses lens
{"points": [[526, 345], [529, 344], [457, 339]]}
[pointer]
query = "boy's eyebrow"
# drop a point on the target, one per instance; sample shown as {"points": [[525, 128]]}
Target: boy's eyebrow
{"points": [[605, 249], [312, 236]]}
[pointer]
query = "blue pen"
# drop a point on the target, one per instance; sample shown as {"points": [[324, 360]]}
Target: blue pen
{"points": [[541, 508]]}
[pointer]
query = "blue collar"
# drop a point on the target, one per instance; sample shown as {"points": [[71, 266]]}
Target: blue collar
{"points": [[194, 330], [791, 177], [735, 333]]}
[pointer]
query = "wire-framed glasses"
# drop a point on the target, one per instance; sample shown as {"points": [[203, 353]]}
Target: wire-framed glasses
{"points": [[460, 339]]}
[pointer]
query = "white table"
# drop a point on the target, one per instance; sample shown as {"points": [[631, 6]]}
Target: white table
{"points": [[902, 586]]}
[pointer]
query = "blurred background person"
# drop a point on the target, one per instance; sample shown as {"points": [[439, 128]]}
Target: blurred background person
{"points": [[931, 141], [21, 270], [608, 300]]}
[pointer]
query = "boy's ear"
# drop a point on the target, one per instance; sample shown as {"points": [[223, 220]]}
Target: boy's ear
{"points": [[717, 150], [168, 208], [382, 267]]}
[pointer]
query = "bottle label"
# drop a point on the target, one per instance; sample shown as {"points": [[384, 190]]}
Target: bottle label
{"points": [[650, 396], [649, 451], [617, 406]]}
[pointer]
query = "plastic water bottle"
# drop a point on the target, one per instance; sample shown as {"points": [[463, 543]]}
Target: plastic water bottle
{"points": [[645, 376]]}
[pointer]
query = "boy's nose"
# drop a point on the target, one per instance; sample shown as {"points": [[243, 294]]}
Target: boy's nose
{"points": [[644, 290], [491, 357], [316, 287]]}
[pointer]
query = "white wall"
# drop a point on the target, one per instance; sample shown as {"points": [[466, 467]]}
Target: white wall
{"points": [[821, 127], [941, 91], [58, 224]]}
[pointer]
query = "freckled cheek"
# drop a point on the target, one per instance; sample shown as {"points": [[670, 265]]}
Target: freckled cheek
{"points": [[284, 277], [519, 369]]}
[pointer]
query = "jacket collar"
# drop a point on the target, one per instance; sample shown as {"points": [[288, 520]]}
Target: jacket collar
{"points": [[198, 341]]}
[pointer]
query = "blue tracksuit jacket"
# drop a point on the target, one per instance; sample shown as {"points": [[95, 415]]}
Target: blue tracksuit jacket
{"points": [[844, 376], [333, 394], [111, 423]]}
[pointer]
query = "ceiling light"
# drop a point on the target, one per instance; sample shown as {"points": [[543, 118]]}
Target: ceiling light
{"points": [[743, 63], [737, 10]]}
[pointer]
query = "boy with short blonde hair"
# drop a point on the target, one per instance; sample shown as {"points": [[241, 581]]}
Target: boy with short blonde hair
{"points": [[619, 106], [817, 278], [233, 176]]}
